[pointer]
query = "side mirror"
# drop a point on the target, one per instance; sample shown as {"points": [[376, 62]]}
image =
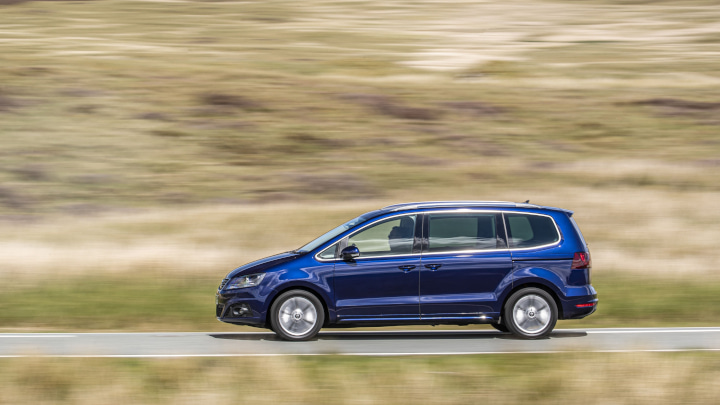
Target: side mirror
{"points": [[350, 253]]}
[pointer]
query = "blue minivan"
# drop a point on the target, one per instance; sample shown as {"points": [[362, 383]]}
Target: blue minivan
{"points": [[516, 266]]}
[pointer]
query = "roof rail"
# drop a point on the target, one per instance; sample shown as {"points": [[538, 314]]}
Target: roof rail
{"points": [[450, 204], [431, 204]]}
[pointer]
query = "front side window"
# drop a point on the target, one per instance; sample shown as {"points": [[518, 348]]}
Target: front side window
{"points": [[457, 232], [389, 237], [527, 230], [327, 236]]}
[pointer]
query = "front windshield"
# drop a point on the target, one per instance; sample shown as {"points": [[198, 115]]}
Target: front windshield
{"points": [[327, 236]]}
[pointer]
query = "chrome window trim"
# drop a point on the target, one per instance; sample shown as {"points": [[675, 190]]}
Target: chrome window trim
{"points": [[459, 210], [381, 257], [456, 252], [317, 255]]}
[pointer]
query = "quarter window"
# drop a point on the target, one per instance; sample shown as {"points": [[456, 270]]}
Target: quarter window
{"points": [[527, 230], [453, 232], [328, 253], [390, 237]]}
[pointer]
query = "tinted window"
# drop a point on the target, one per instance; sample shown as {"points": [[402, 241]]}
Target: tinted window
{"points": [[452, 232], [328, 253], [390, 237], [526, 230]]}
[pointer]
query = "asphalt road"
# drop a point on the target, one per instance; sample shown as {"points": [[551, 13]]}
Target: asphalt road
{"points": [[375, 343]]}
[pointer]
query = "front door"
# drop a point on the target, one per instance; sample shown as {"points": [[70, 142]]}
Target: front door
{"points": [[382, 283], [464, 261]]}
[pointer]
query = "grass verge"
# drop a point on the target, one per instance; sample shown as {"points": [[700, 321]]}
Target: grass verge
{"points": [[499, 379]]}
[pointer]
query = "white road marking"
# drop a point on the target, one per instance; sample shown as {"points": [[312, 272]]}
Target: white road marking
{"points": [[386, 332], [709, 330], [398, 354], [39, 335]]}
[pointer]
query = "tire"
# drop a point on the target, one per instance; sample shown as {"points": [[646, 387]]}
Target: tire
{"points": [[499, 326], [530, 313], [297, 315]]}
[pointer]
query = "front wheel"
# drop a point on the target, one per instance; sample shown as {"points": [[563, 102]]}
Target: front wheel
{"points": [[297, 315], [530, 313]]}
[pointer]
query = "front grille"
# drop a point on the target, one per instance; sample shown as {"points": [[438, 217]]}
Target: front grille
{"points": [[219, 310], [222, 284]]}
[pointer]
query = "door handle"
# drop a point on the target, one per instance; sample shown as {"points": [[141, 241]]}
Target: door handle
{"points": [[406, 268], [433, 267]]}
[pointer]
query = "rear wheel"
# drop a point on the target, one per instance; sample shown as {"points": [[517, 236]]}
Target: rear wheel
{"points": [[530, 313], [297, 315]]}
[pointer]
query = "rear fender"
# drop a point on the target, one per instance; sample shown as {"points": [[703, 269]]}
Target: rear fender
{"points": [[539, 275]]}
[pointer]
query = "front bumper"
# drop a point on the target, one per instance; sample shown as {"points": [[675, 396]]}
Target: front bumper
{"points": [[239, 307]]}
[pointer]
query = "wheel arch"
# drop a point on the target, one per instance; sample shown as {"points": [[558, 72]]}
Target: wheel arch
{"points": [[287, 288], [541, 286]]}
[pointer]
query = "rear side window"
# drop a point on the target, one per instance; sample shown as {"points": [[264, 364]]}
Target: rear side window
{"points": [[527, 230], [453, 232]]}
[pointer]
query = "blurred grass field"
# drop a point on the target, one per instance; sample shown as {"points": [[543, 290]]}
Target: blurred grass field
{"points": [[149, 147], [639, 378], [141, 104]]}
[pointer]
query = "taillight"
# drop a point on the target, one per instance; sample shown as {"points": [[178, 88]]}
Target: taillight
{"points": [[581, 260]]}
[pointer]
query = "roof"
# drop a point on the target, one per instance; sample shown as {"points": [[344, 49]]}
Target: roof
{"points": [[466, 204]]}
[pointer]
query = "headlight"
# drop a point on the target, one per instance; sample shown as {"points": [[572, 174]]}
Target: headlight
{"points": [[250, 280]]}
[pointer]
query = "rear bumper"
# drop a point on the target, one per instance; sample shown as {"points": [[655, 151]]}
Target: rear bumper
{"points": [[579, 307]]}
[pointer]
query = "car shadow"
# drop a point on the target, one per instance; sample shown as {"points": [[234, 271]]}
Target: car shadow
{"points": [[398, 335], [245, 336], [553, 335]]}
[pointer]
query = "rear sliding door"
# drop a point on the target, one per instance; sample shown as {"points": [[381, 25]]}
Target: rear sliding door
{"points": [[464, 260]]}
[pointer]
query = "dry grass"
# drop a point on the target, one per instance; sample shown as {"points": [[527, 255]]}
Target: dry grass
{"points": [[630, 231], [119, 104], [499, 379]]}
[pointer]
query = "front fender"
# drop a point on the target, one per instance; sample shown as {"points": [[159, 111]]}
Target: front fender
{"points": [[315, 282]]}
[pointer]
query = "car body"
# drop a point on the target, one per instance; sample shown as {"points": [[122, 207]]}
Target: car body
{"points": [[517, 266]]}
